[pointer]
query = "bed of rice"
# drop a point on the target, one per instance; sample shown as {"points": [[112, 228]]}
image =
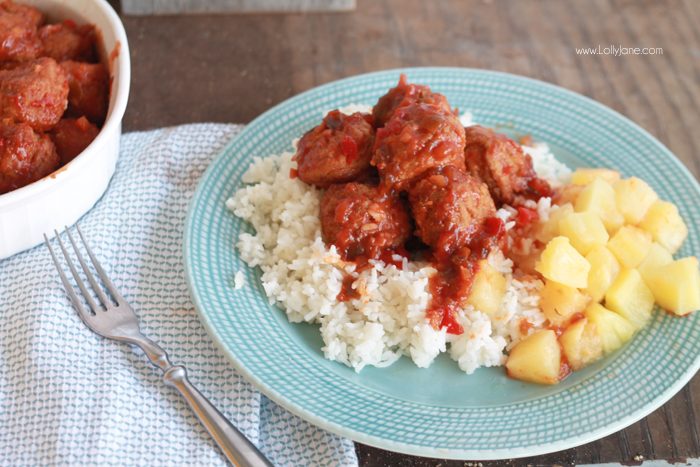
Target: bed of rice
{"points": [[304, 277]]}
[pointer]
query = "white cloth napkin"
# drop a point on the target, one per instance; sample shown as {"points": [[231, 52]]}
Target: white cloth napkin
{"points": [[69, 397]]}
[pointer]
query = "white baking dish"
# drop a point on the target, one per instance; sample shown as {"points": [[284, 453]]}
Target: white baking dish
{"points": [[61, 198]]}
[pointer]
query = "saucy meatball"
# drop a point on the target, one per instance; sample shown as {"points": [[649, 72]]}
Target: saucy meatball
{"points": [[405, 94], [34, 92], [449, 207], [18, 32], [336, 151], [67, 41], [417, 138], [25, 156], [500, 162], [360, 221], [89, 89], [71, 136]]}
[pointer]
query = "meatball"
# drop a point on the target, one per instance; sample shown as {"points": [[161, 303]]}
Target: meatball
{"points": [[71, 136], [417, 138], [34, 92], [19, 40], [66, 41], [360, 221], [29, 14], [89, 90], [449, 207], [25, 156], [405, 94], [336, 151], [501, 163]]}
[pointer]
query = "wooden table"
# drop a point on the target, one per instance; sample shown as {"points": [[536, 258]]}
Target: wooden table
{"points": [[230, 68]]}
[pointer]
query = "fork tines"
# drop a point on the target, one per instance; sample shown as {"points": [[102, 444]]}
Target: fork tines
{"points": [[94, 285]]}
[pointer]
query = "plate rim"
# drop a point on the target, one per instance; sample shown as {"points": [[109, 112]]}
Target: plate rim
{"points": [[407, 448]]}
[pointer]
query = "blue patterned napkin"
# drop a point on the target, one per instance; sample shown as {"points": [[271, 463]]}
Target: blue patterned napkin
{"points": [[69, 397]]}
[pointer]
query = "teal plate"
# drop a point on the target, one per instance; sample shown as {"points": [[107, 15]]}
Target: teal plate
{"points": [[440, 411]]}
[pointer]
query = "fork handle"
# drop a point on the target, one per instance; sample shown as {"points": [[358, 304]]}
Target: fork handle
{"points": [[235, 446]]}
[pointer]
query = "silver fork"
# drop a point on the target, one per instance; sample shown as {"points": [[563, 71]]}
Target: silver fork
{"points": [[118, 321]]}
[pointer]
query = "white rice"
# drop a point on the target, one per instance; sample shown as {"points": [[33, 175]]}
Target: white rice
{"points": [[304, 277], [466, 119], [352, 108], [546, 165], [238, 280]]}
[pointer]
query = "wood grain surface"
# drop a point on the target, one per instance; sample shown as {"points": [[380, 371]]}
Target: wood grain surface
{"points": [[229, 68], [165, 7]]}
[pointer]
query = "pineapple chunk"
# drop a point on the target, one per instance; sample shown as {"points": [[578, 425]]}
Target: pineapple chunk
{"points": [[560, 262], [559, 302], [658, 256], [568, 194], [537, 358], [664, 223], [585, 230], [604, 270], [613, 329], [633, 197], [599, 197], [630, 297], [676, 286], [581, 344], [586, 176], [488, 289], [549, 229], [630, 246]]}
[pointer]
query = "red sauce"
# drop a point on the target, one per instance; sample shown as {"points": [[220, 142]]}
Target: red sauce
{"points": [[558, 330], [388, 256], [539, 188], [670, 313], [526, 216], [493, 226], [575, 317], [564, 367], [349, 148], [115, 52], [452, 283], [491, 234], [525, 326], [293, 173], [346, 291], [449, 287]]}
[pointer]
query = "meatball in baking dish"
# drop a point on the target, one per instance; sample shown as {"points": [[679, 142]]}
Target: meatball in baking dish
{"points": [[25, 155], [71, 136], [34, 92], [68, 41], [89, 90], [19, 39], [54, 93]]}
